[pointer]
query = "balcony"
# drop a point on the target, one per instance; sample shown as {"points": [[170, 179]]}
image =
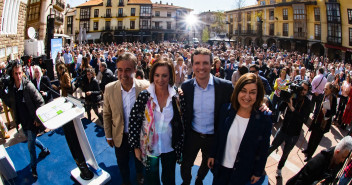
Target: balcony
{"points": [[107, 28], [107, 16], [119, 28], [121, 15], [59, 20], [59, 5], [144, 27], [300, 35], [317, 37]]}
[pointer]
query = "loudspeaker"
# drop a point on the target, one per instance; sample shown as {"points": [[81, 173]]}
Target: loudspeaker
{"points": [[49, 68], [49, 35]]}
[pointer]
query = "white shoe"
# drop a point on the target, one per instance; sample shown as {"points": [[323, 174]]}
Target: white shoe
{"points": [[278, 173]]}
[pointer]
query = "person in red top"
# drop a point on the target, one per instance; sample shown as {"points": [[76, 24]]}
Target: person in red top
{"points": [[347, 115]]}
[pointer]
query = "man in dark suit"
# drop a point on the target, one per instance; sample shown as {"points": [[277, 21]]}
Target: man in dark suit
{"points": [[42, 84], [203, 96], [254, 68]]}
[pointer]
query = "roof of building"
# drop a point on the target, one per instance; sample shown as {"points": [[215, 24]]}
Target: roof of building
{"points": [[139, 2], [156, 5], [92, 3]]}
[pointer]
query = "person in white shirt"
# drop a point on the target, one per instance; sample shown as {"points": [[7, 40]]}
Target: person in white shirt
{"points": [[158, 133]]}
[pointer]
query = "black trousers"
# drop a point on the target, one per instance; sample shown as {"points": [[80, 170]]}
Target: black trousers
{"points": [[222, 175], [341, 109], [314, 140], [123, 157], [193, 143], [168, 165]]}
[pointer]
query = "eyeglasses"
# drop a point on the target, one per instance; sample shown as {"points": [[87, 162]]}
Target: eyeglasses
{"points": [[252, 71]]}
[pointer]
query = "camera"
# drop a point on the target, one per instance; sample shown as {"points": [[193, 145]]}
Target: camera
{"points": [[293, 91]]}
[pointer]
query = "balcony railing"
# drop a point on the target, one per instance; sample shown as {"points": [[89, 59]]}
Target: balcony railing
{"points": [[144, 27], [120, 15], [60, 4], [59, 19], [157, 27], [107, 16], [271, 32], [107, 28], [302, 35], [317, 37], [285, 33], [248, 32]]}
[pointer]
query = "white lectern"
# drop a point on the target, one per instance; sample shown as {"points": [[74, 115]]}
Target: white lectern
{"points": [[60, 113]]}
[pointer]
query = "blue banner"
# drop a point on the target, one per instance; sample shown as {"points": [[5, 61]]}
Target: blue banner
{"points": [[56, 47]]}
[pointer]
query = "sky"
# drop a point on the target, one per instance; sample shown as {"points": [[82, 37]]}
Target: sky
{"points": [[197, 5]]}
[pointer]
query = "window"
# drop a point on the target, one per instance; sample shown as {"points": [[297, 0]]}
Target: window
{"points": [[120, 2], [350, 36], [96, 12], [317, 32], [69, 25], [271, 15], [146, 11], [108, 3], [285, 14], [262, 2], [231, 18], [333, 11], [108, 13], [334, 33], [239, 18], [133, 11], [119, 25], [249, 27], [169, 25], [35, 1], [299, 12], [168, 14], [317, 14], [285, 29], [107, 25], [249, 16], [349, 13], [239, 27], [120, 12], [157, 25], [33, 12], [84, 24], [96, 25], [271, 30], [85, 13], [157, 13], [272, 1], [132, 23], [10, 16], [144, 24]]}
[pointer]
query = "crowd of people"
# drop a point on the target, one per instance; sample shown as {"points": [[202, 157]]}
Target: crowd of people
{"points": [[165, 102]]}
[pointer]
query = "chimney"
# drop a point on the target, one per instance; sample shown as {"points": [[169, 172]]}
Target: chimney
{"points": [[161, 2], [167, 3]]}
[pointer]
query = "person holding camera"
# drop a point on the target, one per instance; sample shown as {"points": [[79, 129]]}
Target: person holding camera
{"points": [[24, 99], [322, 118], [92, 94], [298, 110]]}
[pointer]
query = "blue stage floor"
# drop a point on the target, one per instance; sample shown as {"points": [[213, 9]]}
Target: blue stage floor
{"points": [[56, 167]]}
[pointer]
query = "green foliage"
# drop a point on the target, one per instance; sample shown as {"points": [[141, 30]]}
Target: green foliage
{"points": [[205, 35]]}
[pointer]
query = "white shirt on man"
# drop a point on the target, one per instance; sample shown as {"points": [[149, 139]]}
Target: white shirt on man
{"points": [[128, 99]]}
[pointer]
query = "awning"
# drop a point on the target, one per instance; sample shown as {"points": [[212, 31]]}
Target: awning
{"points": [[93, 36], [61, 36]]}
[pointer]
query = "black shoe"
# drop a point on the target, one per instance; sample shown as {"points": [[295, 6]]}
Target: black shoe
{"points": [[44, 153], [34, 172]]}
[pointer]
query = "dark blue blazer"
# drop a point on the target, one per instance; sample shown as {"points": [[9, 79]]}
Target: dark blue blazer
{"points": [[223, 91], [252, 154], [266, 84]]}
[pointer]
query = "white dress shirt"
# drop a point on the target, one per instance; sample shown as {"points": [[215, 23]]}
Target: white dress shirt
{"points": [[128, 99], [234, 139]]}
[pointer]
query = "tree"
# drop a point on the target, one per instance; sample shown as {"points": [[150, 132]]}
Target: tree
{"points": [[239, 4], [205, 34]]}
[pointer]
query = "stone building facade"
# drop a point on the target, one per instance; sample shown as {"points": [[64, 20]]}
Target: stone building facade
{"points": [[11, 34]]}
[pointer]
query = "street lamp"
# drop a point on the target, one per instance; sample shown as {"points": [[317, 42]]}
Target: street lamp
{"points": [[229, 34]]}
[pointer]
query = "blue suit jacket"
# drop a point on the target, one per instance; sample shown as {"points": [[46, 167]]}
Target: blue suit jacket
{"points": [[252, 154], [266, 84], [223, 91]]}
